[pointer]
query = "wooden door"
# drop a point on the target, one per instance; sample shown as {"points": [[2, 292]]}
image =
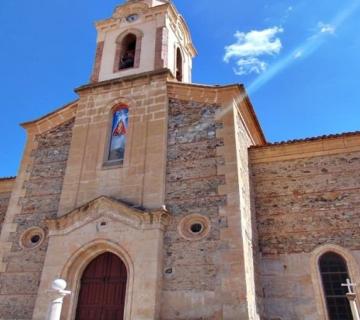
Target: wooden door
{"points": [[103, 289]]}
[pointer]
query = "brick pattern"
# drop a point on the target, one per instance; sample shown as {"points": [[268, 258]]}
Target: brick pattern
{"points": [[192, 188], [304, 203], [4, 201], [98, 58], [19, 284], [161, 48]]}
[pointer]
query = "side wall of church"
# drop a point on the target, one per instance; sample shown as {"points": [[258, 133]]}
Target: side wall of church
{"points": [[4, 202], [6, 186], [247, 216], [191, 276], [302, 203], [208, 175], [40, 198]]}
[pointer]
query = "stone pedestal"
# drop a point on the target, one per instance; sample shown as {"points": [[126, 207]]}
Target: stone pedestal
{"points": [[352, 300], [58, 295]]}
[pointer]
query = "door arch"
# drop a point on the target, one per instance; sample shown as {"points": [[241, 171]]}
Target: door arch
{"points": [[103, 289]]}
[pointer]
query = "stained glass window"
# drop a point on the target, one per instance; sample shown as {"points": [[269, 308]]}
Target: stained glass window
{"points": [[118, 133], [334, 272]]}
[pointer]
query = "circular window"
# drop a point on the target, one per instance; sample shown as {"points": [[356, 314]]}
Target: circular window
{"points": [[32, 238], [132, 17], [194, 227]]}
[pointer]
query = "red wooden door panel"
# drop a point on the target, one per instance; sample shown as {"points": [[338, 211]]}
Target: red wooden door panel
{"points": [[103, 289]]}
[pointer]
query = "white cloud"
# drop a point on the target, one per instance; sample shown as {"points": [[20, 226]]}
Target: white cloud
{"points": [[250, 48], [298, 54], [249, 65], [326, 28]]}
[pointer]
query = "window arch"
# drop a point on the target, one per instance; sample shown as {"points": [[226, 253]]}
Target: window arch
{"points": [[118, 134], [334, 272], [179, 65], [128, 49]]}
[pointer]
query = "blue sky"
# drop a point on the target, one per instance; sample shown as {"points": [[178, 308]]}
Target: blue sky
{"points": [[299, 60]]}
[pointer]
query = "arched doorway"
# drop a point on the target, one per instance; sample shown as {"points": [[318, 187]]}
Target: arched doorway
{"points": [[103, 289]]}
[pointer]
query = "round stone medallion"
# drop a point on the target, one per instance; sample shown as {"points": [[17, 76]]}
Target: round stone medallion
{"points": [[194, 227], [32, 238]]}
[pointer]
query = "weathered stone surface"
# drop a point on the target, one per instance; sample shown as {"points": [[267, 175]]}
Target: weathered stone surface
{"points": [[304, 203], [4, 201], [192, 182], [287, 287], [43, 189], [23, 304], [10, 282]]}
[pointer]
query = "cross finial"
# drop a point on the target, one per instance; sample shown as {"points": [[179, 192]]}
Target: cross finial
{"points": [[349, 285]]}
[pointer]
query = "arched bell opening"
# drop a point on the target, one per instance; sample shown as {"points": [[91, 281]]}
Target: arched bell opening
{"points": [[179, 65], [127, 53]]}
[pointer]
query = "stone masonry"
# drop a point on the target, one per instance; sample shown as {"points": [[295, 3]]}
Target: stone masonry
{"points": [[195, 156], [304, 203], [4, 201], [192, 267], [19, 284], [305, 198]]}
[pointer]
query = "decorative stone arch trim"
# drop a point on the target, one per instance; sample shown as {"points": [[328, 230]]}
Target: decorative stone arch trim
{"points": [[139, 35], [353, 270], [76, 265], [111, 105]]}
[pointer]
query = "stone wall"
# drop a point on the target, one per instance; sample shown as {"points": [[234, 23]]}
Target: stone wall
{"points": [[4, 201], [19, 283], [301, 204], [247, 216], [191, 271], [140, 179], [304, 203]]}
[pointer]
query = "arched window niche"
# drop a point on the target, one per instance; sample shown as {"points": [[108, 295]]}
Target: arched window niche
{"points": [[334, 272], [179, 65], [118, 134], [331, 266], [128, 49]]}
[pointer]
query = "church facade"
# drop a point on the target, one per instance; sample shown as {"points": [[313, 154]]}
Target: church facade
{"points": [[156, 198]]}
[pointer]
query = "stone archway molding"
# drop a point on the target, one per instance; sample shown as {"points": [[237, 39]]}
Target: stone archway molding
{"points": [[76, 265], [106, 225], [115, 210]]}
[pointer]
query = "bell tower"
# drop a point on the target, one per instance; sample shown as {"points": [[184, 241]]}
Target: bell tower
{"points": [[143, 36]]}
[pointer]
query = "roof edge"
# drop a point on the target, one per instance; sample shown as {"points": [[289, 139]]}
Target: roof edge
{"points": [[7, 178], [31, 122], [123, 79], [308, 140], [236, 86]]}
